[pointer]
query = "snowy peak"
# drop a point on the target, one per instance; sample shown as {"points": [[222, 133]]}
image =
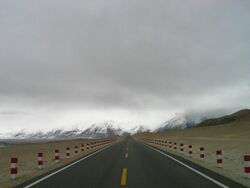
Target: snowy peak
{"points": [[176, 123], [105, 129], [138, 129]]}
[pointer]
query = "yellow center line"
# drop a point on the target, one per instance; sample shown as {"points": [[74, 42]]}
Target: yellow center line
{"points": [[126, 155], [124, 176]]}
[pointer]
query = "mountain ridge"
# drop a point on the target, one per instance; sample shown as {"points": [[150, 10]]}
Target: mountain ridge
{"points": [[241, 115], [97, 130]]}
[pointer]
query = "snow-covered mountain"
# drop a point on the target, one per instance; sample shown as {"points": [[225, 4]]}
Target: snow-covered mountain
{"points": [[100, 130], [138, 129], [53, 134], [97, 130], [176, 123]]}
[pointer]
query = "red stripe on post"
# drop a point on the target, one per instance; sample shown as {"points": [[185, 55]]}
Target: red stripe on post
{"points": [[219, 161], [13, 160], [219, 152], [246, 157], [13, 170], [247, 169]]}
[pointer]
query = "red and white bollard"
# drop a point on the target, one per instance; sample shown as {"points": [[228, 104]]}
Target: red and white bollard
{"points": [[13, 167], [202, 153], [56, 156], [40, 160], [67, 152], [247, 166], [166, 143], [175, 146], [76, 150], [219, 158], [170, 145], [181, 148], [190, 150], [82, 147]]}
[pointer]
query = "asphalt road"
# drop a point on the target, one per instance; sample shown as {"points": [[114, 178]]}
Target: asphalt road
{"points": [[131, 164]]}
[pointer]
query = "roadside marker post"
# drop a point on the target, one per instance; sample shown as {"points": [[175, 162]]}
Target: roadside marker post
{"points": [[40, 160], [247, 166], [219, 158], [56, 156], [67, 152], [13, 167], [170, 145], [202, 153], [76, 150], [175, 146], [181, 148], [190, 150]]}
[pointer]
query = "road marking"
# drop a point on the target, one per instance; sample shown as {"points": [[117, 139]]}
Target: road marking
{"points": [[190, 168], [124, 176], [64, 168], [126, 155]]}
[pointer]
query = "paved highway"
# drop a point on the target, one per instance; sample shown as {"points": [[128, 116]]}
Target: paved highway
{"points": [[132, 164]]}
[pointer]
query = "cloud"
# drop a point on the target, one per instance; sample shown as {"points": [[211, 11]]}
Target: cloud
{"points": [[13, 113], [157, 56]]}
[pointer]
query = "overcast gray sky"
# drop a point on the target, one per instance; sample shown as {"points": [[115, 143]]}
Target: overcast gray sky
{"points": [[69, 63]]}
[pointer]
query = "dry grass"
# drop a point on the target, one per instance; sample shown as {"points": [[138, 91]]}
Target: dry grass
{"points": [[27, 159], [233, 139]]}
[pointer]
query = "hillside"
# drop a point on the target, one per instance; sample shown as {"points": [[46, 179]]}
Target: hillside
{"points": [[242, 115], [236, 125]]}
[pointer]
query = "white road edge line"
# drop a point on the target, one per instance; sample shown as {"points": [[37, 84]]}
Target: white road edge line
{"points": [[64, 168], [190, 168]]}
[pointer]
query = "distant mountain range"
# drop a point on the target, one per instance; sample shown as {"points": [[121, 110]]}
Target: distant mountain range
{"points": [[110, 128], [97, 130]]}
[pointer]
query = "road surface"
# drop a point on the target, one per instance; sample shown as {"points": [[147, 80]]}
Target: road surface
{"points": [[132, 164]]}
